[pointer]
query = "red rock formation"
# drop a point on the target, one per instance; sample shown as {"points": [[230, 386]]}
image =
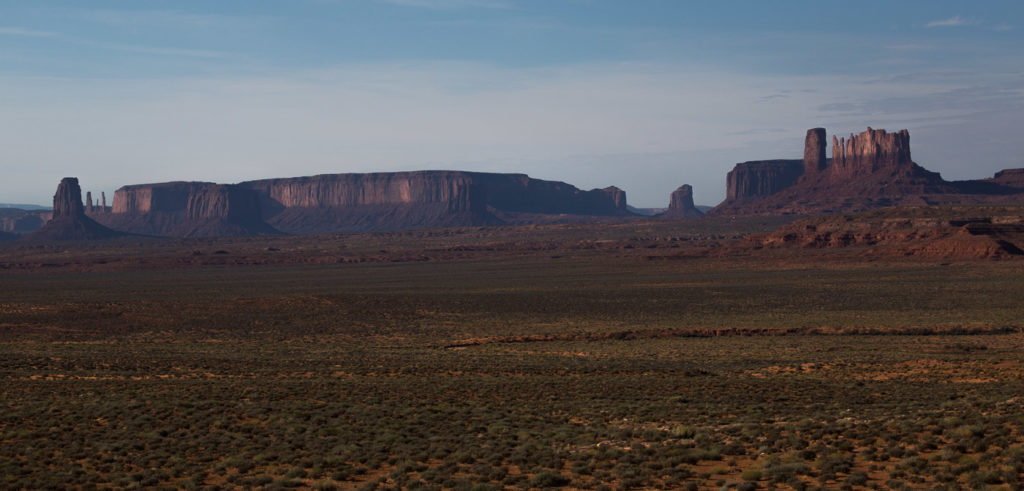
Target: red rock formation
{"points": [[67, 202], [351, 202], [976, 232], [368, 202], [681, 204], [814, 151], [69, 221], [1011, 178], [186, 209], [867, 171], [869, 152], [751, 181]]}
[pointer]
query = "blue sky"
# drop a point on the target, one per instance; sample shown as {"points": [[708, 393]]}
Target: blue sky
{"points": [[646, 95]]}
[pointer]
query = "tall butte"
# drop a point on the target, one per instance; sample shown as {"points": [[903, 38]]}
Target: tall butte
{"points": [[814, 151], [69, 221], [681, 204], [868, 170]]}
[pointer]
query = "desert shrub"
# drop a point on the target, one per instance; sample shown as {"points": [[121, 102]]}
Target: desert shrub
{"points": [[784, 472], [981, 478], [751, 475], [547, 479], [683, 431]]}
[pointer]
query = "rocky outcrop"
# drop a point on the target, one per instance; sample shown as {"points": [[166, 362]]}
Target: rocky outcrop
{"points": [[370, 202], [186, 209], [519, 193], [814, 151], [751, 181], [1009, 178], [351, 203], [681, 205], [69, 221], [947, 232], [67, 202], [868, 153], [870, 170]]}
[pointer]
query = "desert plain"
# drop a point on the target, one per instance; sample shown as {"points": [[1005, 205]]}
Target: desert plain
{"points": [[658, 354]]}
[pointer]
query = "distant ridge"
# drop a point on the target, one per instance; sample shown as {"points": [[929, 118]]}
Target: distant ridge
{"points": [[24, 207]]}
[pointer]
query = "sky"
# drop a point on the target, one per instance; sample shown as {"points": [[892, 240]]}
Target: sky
{"points": [[645, 95]]}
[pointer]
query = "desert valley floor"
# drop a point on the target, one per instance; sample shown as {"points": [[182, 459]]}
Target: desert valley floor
{"points": [[660, 355]]}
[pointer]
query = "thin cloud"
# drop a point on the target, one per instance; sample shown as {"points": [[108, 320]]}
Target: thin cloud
{"points": [[451, 4], [19, 31], [162, 51], [955, 21]]}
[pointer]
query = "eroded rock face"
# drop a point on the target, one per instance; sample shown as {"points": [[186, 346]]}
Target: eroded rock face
{"points": [[69, 221], [869, 152], [67, 202], [870, 170], [760, 178], [187, 209], [681, 204], [1013, 178], [351, 203], [814, 151]]}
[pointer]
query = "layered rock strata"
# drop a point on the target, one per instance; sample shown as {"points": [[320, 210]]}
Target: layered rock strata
{"points": [[186, 209], [350, 203], [751, 181]]}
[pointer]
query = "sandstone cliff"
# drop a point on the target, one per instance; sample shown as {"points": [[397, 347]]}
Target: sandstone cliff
{"points": [[681, 204], [368, 202], [350, 203], [751, 181], [870, 170], [814, 151], [868, 153], [186, 209], [69, 221]]}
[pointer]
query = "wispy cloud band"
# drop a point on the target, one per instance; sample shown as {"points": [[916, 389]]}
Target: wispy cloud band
{"points": [[955, 21]]}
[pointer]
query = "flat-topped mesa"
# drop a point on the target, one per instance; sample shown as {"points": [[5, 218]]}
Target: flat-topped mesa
{"points": [[454, 189], [814, 151], [869, 152], [353, 203], [750, 181], [67, 202], [617, 196], [681, 204], [186, 209]]}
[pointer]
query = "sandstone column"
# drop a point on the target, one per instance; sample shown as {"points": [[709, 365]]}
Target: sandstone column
{"points": [[814, 150]]}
